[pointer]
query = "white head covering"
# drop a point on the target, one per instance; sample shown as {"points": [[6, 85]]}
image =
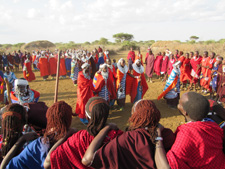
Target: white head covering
{"points": [[85, 65]]}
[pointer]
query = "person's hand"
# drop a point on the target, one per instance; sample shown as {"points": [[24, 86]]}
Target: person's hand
{"points": [[113, 126], [159, 129], [29, 136]]}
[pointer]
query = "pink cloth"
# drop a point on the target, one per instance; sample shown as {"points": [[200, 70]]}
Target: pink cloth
{"points": [[149, 60], [164, 64]]}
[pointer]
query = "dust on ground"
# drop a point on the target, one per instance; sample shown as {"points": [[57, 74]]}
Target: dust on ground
{"points": [[67, 92]]}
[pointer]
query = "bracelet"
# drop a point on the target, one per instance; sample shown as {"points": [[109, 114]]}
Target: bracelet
{"points": [[158, 139]]}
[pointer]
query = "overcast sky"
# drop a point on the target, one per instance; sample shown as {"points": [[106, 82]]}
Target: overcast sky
{"points": [[89, 20]]}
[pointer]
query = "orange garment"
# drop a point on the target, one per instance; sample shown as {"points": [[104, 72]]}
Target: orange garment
{"points": [[140, 58], [27, 71], [62, 70]]}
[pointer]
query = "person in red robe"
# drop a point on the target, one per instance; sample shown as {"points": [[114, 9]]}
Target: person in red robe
{"points": [[140, 85], [85, 91], [43, 66], [134, 148], [206, 79], [27, 70], [62, 70], [158, 64], [165, 62], [130, 58], [149, 61], [70, 153], [10, 61], [103, 84], [221, 83], [172, 60], [196, 69], [100, 50], [198, 143], [34, 60], [139, 56], [177, 55], [185, 70], [52, 65], [203, 70]]}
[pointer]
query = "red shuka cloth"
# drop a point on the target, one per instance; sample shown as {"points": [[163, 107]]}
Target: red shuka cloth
{"points": [[144, 85], [132, 149], [165, 64], [194, 64], [62, 70], [28, 74], [170, 65], [149, 60], [52, 65], [43, 66], [185, 71], [158, 64], [101, 82], [70, 153], [85, 90], [131, 55], [221, 80], [197, 145]]}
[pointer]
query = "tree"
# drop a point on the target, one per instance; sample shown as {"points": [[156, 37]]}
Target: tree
{"points": [[120, 37], [103, 41], [194, 38]]}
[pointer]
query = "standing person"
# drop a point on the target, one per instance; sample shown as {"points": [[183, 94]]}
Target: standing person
{"points": [[16, 61], [100, 60], [214, 75], [74, 70], [196, 69], [10, 61], [140, 86], [92, 64], [59, 117], [158, 64], [165, 62], [139, 56], [100, 50], [134, 148], [203, 71], [121, 83], [27, 70], [23, 58], [52, 62], [4, 60], [68, 60], [198, 143], [70, 153], [221, 83], [176, 55], [114, 64], [130, 58], [62, 70], [172, 60], [149, 61], [43, 66], [103, 84], [34, 60], [185, 71], [85, 91]]}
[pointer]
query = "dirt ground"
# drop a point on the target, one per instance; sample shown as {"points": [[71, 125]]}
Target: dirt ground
{"points": [[170, 118]]}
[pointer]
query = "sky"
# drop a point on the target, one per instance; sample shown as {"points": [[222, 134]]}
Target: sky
{"points": [[89, 20]]}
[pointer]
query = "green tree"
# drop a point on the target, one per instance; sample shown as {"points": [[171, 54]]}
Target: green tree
{"points": [[120, 37], [194, 38], [103, 41]]}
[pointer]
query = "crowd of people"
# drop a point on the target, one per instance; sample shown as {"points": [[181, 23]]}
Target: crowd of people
{"points": [[37, 136]]}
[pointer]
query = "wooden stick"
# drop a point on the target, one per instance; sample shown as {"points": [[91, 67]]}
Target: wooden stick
{"points": [[8, 90], [57, 77]]}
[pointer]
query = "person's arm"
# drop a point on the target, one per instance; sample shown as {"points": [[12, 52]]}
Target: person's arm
{"points": [[95, 145], [47, 162], [17, 147], [160, 153]]}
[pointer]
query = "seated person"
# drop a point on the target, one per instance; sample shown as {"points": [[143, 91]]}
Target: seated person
{"points": [[70, 153], [133, 149], [59, 117], [198, 143]]}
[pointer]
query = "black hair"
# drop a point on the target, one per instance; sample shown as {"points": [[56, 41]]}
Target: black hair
{"points": [[197, 106]]}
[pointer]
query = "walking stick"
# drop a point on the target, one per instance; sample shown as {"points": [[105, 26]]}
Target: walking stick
{"points": [[8, 90], [57, 77]]}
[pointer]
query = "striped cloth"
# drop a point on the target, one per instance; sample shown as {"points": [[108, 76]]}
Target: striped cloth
{"points": [[74, 70], [104, 93]]}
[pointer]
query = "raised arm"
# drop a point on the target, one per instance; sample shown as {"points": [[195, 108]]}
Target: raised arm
{"points": [[95, 145], [47, 162]]}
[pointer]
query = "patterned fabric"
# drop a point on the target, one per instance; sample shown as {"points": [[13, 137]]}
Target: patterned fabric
{"points": [[104, 93], [197, 145], [214, 80], [11, 77], [122, 95], [74, 70]]}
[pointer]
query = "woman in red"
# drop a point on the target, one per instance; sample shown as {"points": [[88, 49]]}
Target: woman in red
{"points": [[158, 64], [70, 153], [27, 70]]}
